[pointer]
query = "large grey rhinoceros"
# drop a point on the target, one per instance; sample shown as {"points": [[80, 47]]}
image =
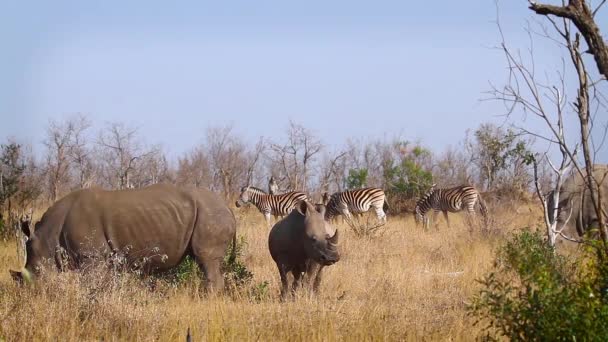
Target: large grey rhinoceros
{"points": [[303, 242], [575, 208], [156, 226]]}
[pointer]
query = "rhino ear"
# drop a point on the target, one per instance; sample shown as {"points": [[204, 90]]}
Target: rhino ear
{"points": [[302, 207], [25, 226], [321, 209]]}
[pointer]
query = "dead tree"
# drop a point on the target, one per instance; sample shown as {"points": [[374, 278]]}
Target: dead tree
{"points": [[121, 152], [580, 14], [79, 152], [548, 103], [332, 171], [228, 158], [57, 142], [194, 169], [297, 155]]}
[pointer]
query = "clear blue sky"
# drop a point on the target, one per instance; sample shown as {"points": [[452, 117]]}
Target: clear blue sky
{"points": [[341, 68]]}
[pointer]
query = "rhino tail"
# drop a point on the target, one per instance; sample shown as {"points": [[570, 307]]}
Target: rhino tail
{"points": [[232, 257]]}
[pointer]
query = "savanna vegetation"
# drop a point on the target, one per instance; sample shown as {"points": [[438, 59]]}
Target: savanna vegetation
{"points": [[511, 278]]}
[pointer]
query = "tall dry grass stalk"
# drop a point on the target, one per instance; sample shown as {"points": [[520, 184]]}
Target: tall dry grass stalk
{"points": [[402, 285]]}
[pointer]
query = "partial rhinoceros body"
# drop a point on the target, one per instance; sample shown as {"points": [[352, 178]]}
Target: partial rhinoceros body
{"points": [[155, 227], [576, 213]]}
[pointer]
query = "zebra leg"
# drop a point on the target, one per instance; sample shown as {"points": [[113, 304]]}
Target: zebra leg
{"points": [[471, 217], [381, 215], [435, 221], [267, 217], [348, 216], [445, 214]]}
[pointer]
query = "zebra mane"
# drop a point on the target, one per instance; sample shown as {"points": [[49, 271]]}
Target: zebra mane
{"points": [[426, 196], [258, 190]]}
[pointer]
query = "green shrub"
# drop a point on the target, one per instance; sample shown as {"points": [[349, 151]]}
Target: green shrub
{"points": [[236, 274], [260, 291], [357, 178], [536, 294]]}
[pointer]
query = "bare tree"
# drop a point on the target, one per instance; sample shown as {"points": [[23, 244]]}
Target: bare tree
{"points": [[79, 151], [194, 169], [452, 168], [57, 142], [579, 12], [297, 155], [229, 159], [122, 153], [548, 102], [332, 171]]}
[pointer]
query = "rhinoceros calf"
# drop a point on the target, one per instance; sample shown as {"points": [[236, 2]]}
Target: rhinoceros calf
{"points": [[303, 242], [160, 224], [575, 208]]}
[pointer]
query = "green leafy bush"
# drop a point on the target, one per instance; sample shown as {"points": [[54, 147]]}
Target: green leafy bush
{"points": [[236, 274], [536, 294], [357, 178]]}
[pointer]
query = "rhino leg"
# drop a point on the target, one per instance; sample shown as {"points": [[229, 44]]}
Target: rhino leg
{"points": [[297, 277], [210, 266], [284, 281], [313, 276]]}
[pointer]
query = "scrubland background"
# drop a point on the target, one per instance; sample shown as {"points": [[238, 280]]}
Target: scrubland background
{"points": [[405, 284]]}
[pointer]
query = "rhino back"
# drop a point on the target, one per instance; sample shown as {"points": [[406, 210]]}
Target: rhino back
{"points": [[154, 222]]}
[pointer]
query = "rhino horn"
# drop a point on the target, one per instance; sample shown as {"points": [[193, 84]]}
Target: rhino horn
{"points": [[334, 239]]}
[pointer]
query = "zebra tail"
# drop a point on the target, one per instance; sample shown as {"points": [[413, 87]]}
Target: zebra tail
{"points": [[385, 206], [483, 209]]}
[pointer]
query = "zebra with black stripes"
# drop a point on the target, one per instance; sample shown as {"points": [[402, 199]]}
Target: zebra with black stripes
{"points": [[463, 197], [276, 205], [356, 201]]}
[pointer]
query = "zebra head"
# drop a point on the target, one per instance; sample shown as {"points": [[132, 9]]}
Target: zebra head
{"points": [[243, 197], [422, 206]]}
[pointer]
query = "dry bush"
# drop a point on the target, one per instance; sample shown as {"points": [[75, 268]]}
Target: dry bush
{"points": [[406, 284]]}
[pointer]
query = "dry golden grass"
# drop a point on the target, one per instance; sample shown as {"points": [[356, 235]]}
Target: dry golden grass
{"points": [[405, 284]]}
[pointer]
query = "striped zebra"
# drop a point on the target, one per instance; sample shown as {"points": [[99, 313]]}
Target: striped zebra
{"points": [[277, 205], [355, 202], [463, 197]]}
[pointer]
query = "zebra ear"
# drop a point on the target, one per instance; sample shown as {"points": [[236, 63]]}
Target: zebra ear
{"points": [[325, 198]]}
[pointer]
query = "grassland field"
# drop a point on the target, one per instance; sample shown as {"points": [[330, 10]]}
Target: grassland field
{"points": [[405, 284]]}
